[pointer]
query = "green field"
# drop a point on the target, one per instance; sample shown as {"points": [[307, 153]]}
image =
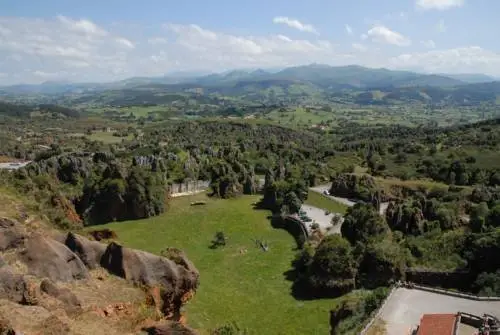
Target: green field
{"points": [[107, 137], [239, 282], [318, 200]]}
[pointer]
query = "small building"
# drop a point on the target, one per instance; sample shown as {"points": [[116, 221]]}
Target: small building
{"points": [[438, 324]]}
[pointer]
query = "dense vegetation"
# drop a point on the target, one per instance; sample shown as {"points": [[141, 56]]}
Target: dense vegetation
{"points": [[427, 197]]}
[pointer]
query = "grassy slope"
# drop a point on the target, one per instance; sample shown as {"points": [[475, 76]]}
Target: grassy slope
{"points": [[317, 200], [248, 288]]}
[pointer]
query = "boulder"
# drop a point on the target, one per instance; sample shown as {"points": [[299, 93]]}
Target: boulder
{"points": [[46, 257], [169, 328], [64, 295], [11, 234], [177, 278], [17, 288], [90, 252]]}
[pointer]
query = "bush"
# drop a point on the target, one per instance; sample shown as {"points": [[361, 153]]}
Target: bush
{"points": [[333, 269]]}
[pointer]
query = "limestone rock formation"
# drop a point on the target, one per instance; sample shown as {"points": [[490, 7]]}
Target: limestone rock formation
{"points": [[90, 252], [48, 258], [11, 234], [16, 287], [177, 278], [64, 295]]}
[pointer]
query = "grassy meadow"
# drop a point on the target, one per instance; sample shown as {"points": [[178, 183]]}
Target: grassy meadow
{"points": [[239, 282]]}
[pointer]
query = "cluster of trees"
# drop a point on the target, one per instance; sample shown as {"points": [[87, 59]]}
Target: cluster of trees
{"points": [[375, 250]]}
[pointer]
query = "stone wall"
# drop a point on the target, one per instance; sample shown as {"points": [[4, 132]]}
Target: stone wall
{"points": [[461, 280], [189, 186]]}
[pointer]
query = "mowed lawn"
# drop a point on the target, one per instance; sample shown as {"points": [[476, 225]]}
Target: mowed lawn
{"points": [[318, 200], [238, 283]]}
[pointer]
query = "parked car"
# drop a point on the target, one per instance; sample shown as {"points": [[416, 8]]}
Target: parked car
{"points": [[326, 192]]}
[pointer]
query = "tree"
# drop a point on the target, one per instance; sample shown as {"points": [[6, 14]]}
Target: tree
{"points": [[478, 217], [363, 223], [219, 240], [382, 263], [493, 218], [333, 269], [488, 284], [292, 202]]}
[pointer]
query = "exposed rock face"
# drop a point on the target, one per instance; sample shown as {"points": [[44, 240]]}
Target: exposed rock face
{"points": [[17, 288], [177, 279], [48, 258], [90, 252], [64, 295], [11, 234]]}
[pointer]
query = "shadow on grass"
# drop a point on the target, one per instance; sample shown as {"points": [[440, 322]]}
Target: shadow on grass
{"points": [[300, 289]]}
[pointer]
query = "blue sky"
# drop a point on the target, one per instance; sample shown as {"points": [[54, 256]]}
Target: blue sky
{"points": [[107, 40]]}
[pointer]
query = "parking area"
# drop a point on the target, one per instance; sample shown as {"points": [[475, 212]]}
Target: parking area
{"points": [[322, 218], [405, 307]]}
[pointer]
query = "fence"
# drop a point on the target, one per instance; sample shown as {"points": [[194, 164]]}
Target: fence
{"points": [[189, 187]]}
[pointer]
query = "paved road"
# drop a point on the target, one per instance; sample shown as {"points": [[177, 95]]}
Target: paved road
{"points": [[322, 188], [406, 306], [348, 202]]}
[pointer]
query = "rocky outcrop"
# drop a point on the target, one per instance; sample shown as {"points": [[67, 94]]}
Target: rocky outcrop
{"points": [[168, 281], [64, 295], [17, 288], [177, 278], [46, 257], [90, 252], [11, 234]]}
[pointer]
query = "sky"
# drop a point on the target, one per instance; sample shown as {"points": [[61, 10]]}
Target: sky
{"points": [[97, 41]]}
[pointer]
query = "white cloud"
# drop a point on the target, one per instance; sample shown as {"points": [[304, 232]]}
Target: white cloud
{"points": [[60, 46], [429, 44], [124, 42], [83, 26], [36, 50], [439, 4], [348, 29], [441, 26], [157, 40], [296, 24], [359, 47], [382, 34], [471, 59]]}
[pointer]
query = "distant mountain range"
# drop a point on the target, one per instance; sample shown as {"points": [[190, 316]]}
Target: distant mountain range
{"points": [[321, 76]]}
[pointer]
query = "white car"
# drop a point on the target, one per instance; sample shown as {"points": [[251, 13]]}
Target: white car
{"points": [[326, 192]]}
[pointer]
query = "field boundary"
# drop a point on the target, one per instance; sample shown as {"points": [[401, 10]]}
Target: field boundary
{"points": [[448, 292]]}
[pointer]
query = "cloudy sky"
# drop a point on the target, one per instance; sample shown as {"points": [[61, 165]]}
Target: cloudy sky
{"points": [[114, 39]]}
